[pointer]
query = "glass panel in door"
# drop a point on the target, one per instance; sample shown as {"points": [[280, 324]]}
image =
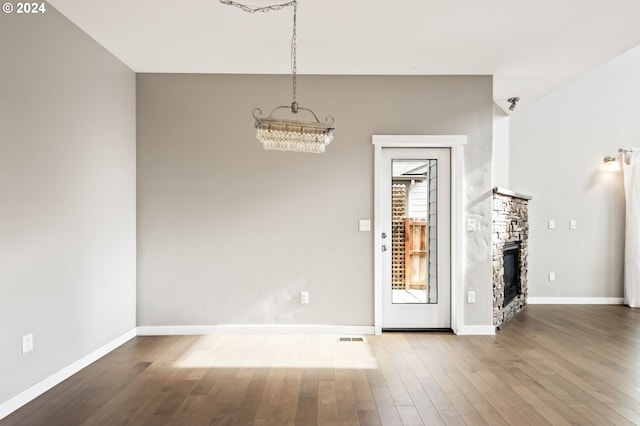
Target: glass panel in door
{"points": [[414, 231]]}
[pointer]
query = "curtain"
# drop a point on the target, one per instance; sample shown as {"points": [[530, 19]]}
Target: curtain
{"points": [[631, 169]]}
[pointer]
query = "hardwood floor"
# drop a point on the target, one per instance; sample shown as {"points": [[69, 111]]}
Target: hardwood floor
{"points": [[560, 365]]}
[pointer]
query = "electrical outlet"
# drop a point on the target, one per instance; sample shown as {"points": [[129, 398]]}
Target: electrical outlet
{"points": [[552, 276], [304, 297], [27, 343], [552, 224], [471, 297], [572, 224]]}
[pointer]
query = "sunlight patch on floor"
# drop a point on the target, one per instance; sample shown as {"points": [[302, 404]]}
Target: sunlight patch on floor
{"points": [[277, 351]]}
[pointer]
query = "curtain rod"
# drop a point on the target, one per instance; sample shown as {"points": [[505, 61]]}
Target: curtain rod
{"points": [[624, 150]]}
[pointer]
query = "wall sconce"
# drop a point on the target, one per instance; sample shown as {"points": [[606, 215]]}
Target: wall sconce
{"points": [[611, 164]]}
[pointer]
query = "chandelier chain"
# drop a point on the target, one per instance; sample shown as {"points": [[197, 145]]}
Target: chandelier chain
{"points": [[294, 36], [253, 9], [294, 39]]}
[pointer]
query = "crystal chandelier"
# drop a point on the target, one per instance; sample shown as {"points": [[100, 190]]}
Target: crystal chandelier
{"points": [[289, 134]]}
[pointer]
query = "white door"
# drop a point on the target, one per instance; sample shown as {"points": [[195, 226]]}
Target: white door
{"points": [[415, 219]]}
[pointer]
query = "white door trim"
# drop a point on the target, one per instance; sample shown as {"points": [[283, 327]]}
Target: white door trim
{"points": [[456, 144]]}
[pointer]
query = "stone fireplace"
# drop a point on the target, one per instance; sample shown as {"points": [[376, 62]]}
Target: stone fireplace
{"points": [[510, 243]]}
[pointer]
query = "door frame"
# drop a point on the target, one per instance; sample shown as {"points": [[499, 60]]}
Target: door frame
{"points": [[456, 144]]}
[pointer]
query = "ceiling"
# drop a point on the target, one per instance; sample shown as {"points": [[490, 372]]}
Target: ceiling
{"points": [[531, 47]]}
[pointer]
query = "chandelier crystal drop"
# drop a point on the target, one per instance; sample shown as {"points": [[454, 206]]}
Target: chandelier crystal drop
{"points": [[289, 134]]}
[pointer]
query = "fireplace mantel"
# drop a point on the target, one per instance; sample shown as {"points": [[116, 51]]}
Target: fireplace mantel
{"points": [[509, 193]]}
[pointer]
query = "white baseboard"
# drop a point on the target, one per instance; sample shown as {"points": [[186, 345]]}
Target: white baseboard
{"points": [[477, 330], [38, 389], [189, 330], [575, 300]]}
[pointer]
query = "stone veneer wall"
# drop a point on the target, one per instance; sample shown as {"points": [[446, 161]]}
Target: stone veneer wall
{"points": [[510, 224]]}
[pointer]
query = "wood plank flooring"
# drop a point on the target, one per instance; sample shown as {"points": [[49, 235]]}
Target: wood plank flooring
{"points": [[554, 364]]}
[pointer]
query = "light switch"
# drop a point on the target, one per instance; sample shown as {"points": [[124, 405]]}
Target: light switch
{"points": [[364, 225], [552, 224], [471, 225], [572, 224]]}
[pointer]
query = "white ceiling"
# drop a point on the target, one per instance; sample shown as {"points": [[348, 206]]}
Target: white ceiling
{"points": [[531, 47]]}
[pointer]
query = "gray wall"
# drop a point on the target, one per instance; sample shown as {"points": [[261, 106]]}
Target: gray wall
{"points": [[230, 234], [500, 147], [557, 147], [67, 197]]}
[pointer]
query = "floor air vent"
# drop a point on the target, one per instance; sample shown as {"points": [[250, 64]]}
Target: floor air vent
{"points": [[351, 339]]}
